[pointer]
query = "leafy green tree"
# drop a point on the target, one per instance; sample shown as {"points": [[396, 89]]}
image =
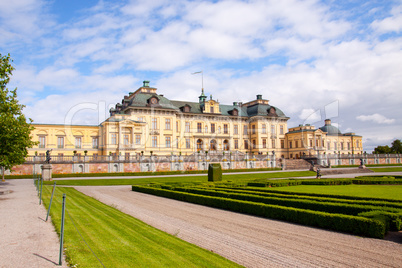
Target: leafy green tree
{"points": [[396, 147], [15, 131], [382, 150]]}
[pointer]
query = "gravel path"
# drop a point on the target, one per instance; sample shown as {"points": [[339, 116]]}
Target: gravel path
{"points": [[26, 240], [248, 240]]}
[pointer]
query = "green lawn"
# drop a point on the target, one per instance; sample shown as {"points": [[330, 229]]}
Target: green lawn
{"points": [[390, 169], [234, 177], [378, 191], [118, 239]]}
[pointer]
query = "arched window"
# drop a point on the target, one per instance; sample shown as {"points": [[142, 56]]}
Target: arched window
{"points": [[226, 145], [199, 145], [212, 145]]}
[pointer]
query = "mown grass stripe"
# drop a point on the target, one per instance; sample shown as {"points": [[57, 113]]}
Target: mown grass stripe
{"points": [[120, 240]]}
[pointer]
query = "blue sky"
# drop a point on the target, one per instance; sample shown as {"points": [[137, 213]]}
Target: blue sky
{"points": [[312, 59]]}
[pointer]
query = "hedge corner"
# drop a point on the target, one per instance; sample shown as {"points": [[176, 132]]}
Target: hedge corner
{"points": [[214, 172]]}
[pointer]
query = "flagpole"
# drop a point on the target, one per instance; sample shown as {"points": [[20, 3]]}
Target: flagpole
{"points": [[202, 78]]}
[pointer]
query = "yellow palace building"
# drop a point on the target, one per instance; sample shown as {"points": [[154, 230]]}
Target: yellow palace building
{"points": [[146, 122]]}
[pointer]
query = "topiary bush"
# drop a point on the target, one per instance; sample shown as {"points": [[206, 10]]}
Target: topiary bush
{"points": [[214, 172]]}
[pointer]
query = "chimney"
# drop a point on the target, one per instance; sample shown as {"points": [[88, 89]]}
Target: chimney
{"points": [[259, 97], [327, 122]]}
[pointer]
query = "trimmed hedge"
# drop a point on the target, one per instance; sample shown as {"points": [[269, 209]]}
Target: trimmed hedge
{"points": [[330, 207], [392, 221], [313, 198], [337, 222], [319, 195]]}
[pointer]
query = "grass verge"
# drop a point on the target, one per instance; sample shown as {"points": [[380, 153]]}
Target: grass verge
{"points": [[236, 178], [118, 239]]}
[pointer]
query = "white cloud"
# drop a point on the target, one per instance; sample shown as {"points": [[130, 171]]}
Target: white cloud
{"points": [[392, 23], [310, 116], [376, 118]]}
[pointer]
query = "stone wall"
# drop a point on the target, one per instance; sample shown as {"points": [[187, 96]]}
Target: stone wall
{"points": [[194, 162]]}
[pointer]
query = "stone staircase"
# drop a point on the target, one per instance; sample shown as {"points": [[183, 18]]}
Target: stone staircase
{"points": [[292, 164]]}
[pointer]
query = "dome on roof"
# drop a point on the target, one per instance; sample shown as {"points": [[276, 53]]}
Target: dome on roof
{"points": [[331, 130]]}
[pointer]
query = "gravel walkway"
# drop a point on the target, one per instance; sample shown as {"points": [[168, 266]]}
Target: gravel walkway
{"points": [[26, 240], [248, 240]]}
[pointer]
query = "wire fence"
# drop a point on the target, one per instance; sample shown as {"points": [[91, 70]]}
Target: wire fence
{"points": [[38, 182]]}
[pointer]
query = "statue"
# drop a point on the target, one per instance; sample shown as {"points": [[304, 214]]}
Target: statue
{"points": [[318, 174], [48, 158]]}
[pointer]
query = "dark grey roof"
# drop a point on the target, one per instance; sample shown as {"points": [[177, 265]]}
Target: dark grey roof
{"points": [[331, 130], [141, 100]]}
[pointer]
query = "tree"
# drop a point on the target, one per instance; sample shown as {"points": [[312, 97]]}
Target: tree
{"points": [[382, 150], [397, 146], [15, 131]]}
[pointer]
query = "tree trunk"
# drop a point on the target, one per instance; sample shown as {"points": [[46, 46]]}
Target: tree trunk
{"points": [[2, 174]]}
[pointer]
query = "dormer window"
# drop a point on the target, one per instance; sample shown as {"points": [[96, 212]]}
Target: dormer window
{"points": [[153, 101], [186, 108], [272, 111], [234, 112]]}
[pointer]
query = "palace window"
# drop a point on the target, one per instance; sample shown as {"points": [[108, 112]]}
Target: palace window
{"points": [[225, 129], [264, 128], [187, 128], [328, 145], [154, 123], [342, 146], [273, 144], [281, 130], [236, 144], [138, 139], [77, 142], [199, 127], [42, 141], [167, 124], [60, 142], [253, 129], [167, 142], [348, 145], [282, 144], [272, 129], [246, 144], [245, 130], [177, 126], [254, 144], [211, 110], [264, 143], [154, 141], [335, 145], [236, 129], [297, 144], [206, 129], [95, 142], [212, 128], [188, 144], [126, 140], [290, 144]]}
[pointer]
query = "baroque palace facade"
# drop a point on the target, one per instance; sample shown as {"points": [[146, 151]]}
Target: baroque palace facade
{"points": [[148, 123]]}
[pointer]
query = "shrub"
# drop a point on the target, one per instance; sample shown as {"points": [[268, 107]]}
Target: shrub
{"points": [[392, 221], [215, 172]]}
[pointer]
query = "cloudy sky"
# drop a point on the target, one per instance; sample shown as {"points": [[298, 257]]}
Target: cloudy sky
{"points": [[337, 59]]}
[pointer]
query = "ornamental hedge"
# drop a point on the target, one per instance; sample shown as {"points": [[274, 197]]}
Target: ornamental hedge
{"points": [[330, 207], [357, 225]]}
